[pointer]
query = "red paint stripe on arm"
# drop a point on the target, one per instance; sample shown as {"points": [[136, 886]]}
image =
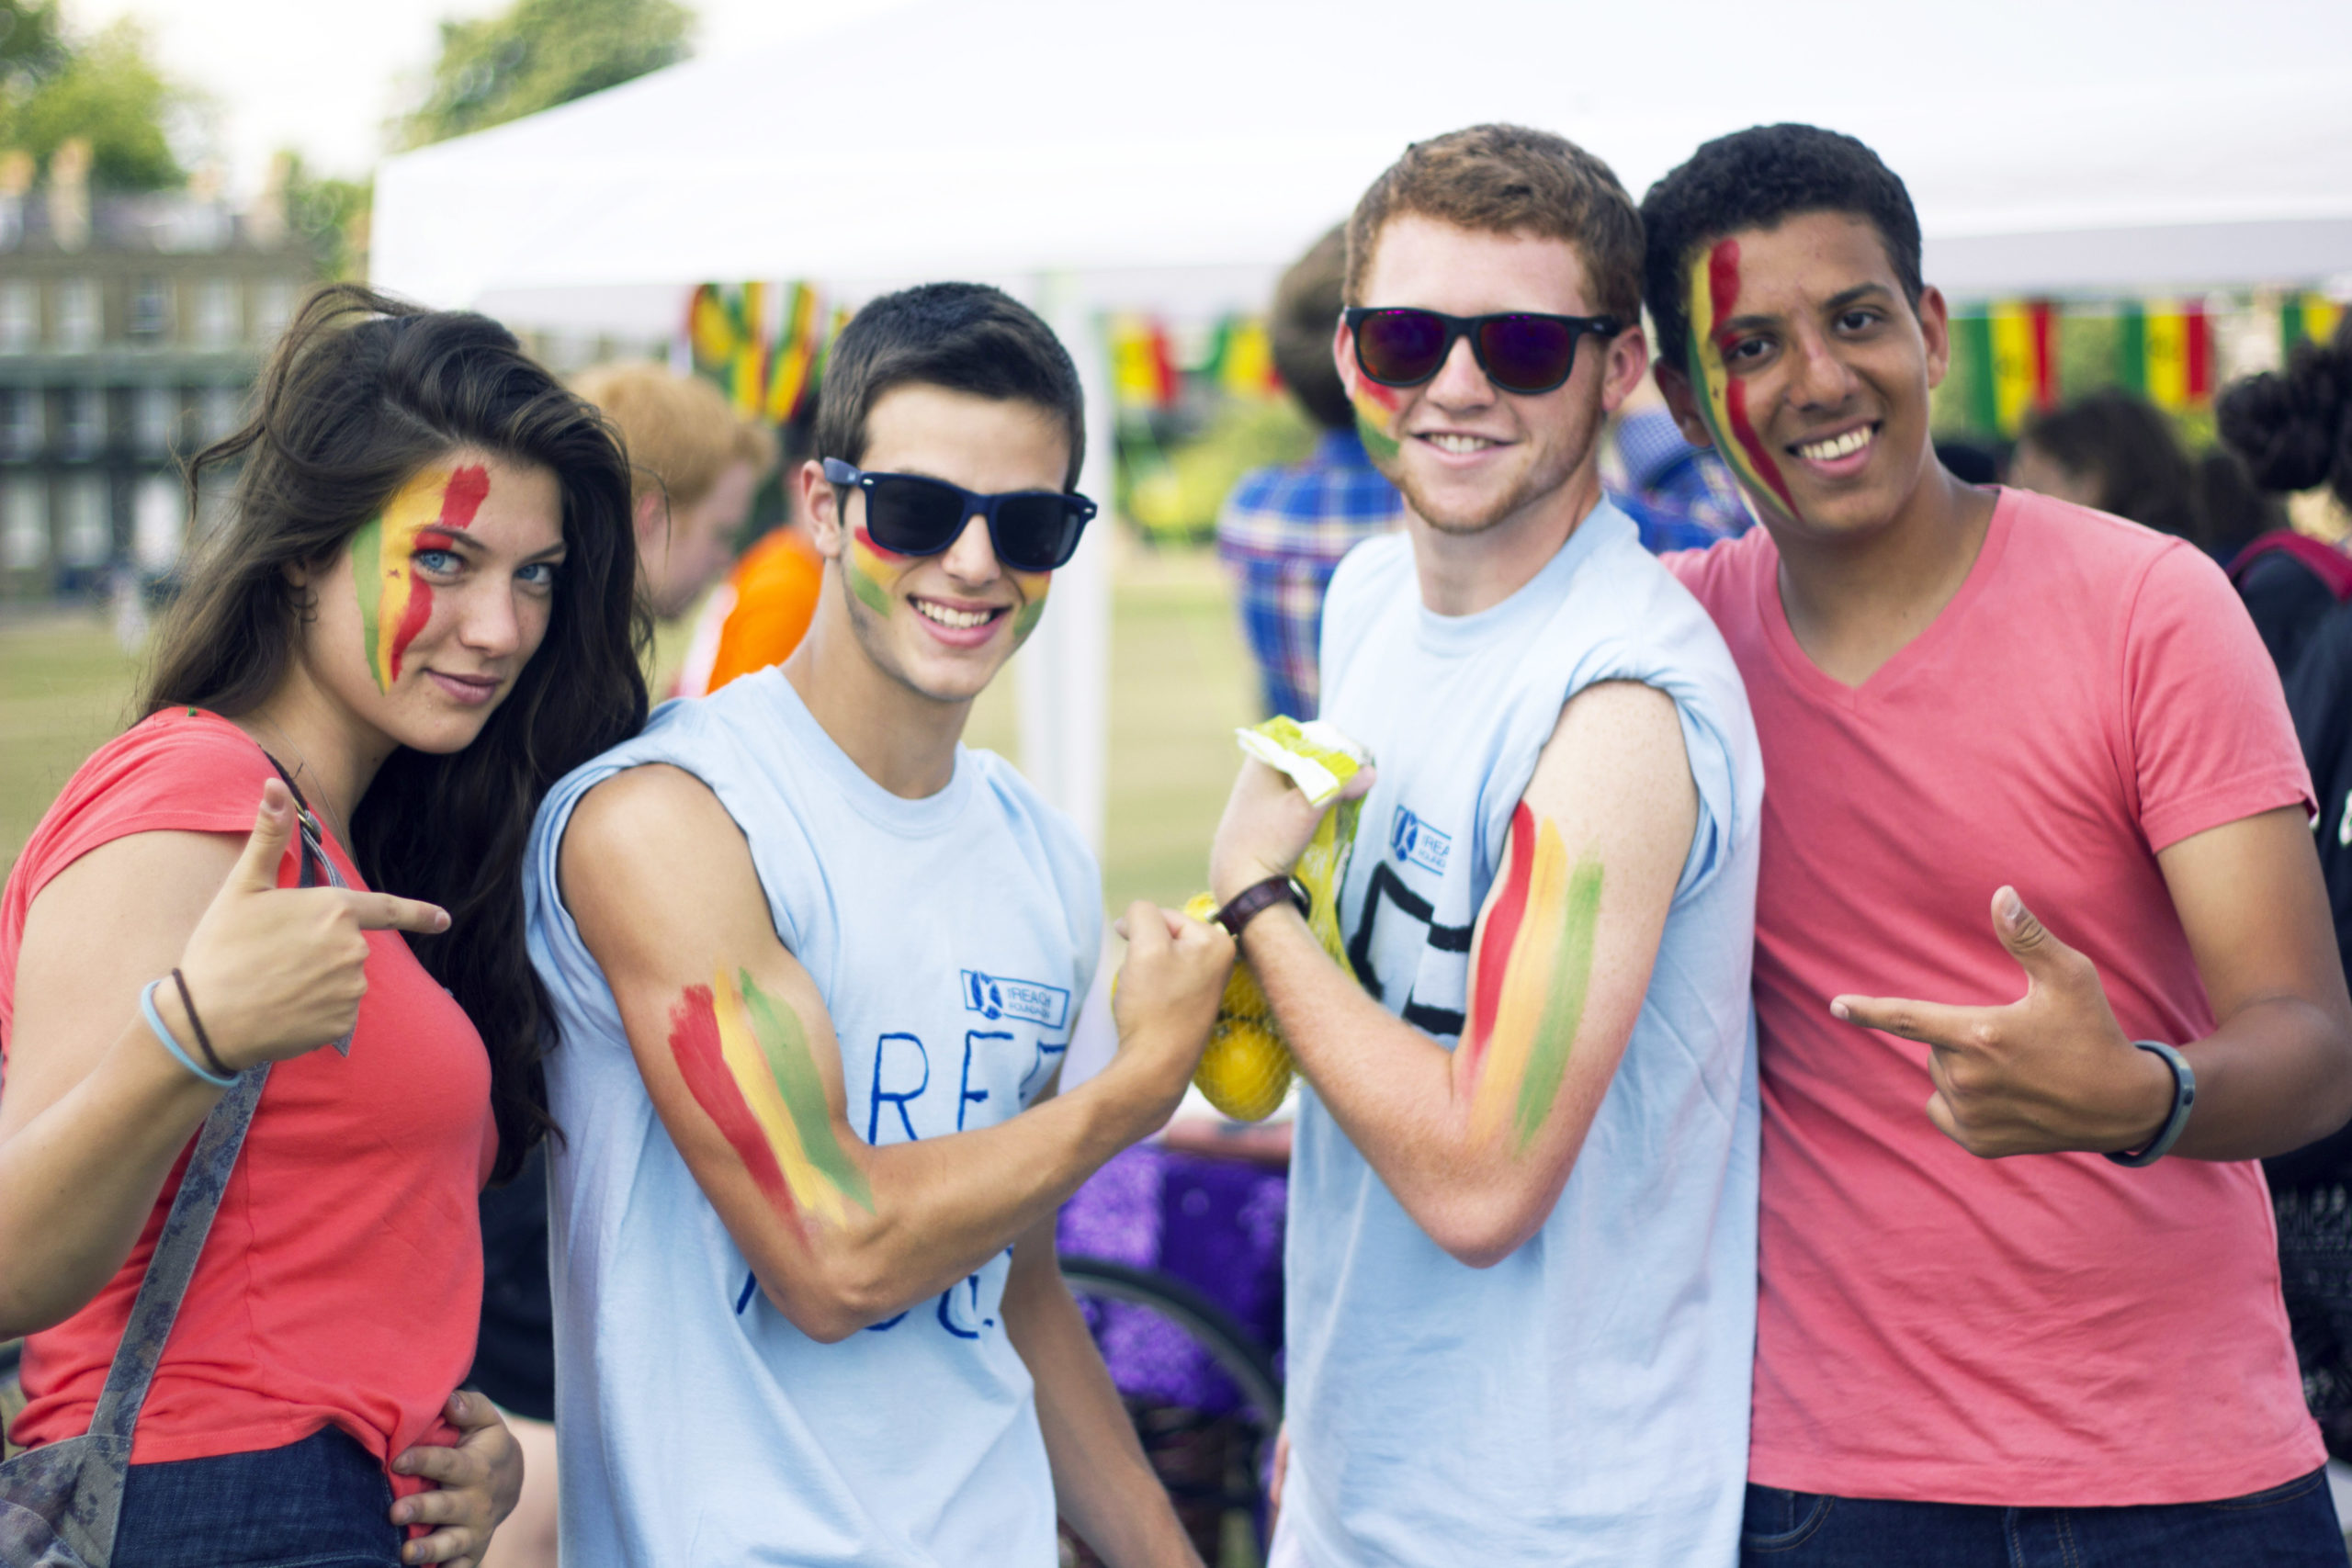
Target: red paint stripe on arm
{"points": [[1502, 931], [693, 1046]]}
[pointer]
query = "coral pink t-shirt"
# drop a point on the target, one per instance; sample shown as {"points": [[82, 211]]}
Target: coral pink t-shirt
{"points": [[340, 1283], [2048, 1330]]}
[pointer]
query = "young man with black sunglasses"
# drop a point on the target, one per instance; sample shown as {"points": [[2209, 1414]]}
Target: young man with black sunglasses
{"points": [[1979, 706], [815, 967], [1521, 1264]]}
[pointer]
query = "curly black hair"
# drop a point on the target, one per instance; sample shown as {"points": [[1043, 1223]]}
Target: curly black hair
{"points": [[2294, 427], [1754, 179]]}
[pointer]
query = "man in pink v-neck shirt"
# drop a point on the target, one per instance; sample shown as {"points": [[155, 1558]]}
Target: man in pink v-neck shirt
{"points": [[1984, 710]]}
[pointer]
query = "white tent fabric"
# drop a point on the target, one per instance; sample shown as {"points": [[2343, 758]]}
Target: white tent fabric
{"points": [[1086, 153]]}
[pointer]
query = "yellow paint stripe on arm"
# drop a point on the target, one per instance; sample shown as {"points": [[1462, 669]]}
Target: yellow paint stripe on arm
{"points": [[744, 1059]]}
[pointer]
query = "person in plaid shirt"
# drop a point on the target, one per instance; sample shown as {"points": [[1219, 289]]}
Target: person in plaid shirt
{"points": [[1284, 529]]}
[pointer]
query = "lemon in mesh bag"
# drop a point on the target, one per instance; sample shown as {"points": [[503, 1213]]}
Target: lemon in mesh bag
{"points": [[1246, 1068]]}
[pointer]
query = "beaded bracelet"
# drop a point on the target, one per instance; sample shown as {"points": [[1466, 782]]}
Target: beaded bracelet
{"points": [[155, 1023]]}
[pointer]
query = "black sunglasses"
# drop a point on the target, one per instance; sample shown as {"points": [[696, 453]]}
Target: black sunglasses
{"points": [[908, 515], [1519, 350]]}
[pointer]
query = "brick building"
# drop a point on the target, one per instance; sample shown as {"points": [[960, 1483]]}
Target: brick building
{"points": [[131, 329]]}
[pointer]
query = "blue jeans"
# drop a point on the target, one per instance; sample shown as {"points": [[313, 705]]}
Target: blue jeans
{"points": [[320, 1503], [2292, 1526]]}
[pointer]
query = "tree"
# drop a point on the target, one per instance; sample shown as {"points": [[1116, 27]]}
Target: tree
{"points": [[33, 44], [331, 213], [539, 53], [107, 89]]}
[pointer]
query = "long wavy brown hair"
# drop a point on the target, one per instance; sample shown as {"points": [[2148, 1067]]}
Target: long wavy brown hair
{"points": [[363, 391]]}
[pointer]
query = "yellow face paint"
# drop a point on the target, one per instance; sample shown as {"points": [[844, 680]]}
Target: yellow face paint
{"points": [[394, 605], [1714, 294]]}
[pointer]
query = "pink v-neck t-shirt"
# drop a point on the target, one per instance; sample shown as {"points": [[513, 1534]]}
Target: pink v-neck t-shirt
{"points": [[2051, 1330]]}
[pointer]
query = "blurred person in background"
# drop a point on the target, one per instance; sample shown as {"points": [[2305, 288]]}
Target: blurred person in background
{"points": [[417, 610], [1282, 530], [696, 463], [1521, 1267], [1681, 496], [1998, 1326], [757, 615], [2117, 452], [2294, 430]]}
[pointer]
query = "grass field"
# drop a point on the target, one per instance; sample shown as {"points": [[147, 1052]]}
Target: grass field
{"points": [[1180, 682]]}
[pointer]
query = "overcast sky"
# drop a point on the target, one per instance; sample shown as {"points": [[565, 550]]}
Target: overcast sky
{"points": [[323, 75]]}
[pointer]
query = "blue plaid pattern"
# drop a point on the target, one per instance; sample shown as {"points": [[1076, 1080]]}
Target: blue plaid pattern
{"points": [[1282, 533]]}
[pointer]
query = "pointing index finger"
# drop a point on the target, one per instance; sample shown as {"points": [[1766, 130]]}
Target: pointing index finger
{"points": [[1930, 1024], [383, 911]]}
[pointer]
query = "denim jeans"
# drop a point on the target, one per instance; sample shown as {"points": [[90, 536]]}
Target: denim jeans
{"points": [[320, 1503], [2293, 1525]]}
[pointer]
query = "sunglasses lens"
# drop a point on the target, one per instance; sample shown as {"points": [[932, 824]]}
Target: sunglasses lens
{"points": [[912, 517], [1400, 347], [1037, 532], [1527, 354]]}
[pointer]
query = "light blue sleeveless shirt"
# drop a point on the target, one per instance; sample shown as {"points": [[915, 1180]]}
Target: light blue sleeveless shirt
{"points": [[1585, 1401], [951, 939]]}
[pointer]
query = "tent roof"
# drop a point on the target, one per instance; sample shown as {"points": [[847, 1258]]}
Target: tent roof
{"points": [[2047, 146]]}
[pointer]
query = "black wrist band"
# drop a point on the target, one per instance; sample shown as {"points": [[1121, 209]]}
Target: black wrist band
{"points": [[203, 1041], [1258, 896], [2184, 1095]]}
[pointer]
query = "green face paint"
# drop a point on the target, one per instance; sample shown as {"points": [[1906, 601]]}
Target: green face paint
{"points": [[367, 580], [867, 565], [1025, 619], [1375, 407]]}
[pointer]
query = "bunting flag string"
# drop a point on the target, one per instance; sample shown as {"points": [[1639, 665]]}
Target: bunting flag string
{"points": [[2306, 317], [2164, 351], [2010, 352], [764, 345]]}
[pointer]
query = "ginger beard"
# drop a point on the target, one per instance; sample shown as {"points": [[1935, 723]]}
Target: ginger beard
{"points": [[1550, 464], [1723, 403]]}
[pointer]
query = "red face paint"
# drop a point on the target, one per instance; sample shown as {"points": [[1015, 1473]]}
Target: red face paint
{"points": [[1502, 931], [702, 1062], [1723, 289]]}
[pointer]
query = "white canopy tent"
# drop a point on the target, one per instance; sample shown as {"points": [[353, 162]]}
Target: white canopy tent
{"points": [[1097, 153]]}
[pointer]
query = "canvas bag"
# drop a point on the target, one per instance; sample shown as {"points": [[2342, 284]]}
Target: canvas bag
{"points": [[59, 1504]]}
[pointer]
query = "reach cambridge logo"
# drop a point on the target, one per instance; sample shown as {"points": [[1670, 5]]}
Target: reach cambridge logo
{"points": [[1415, 842], [994, 997]]}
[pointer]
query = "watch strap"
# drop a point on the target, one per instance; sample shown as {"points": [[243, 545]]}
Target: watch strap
{"points": [[2184, 1095], [1244, 906]]}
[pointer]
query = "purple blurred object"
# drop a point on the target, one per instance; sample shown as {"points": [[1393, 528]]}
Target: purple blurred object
{"points": [[1215, 1225]]}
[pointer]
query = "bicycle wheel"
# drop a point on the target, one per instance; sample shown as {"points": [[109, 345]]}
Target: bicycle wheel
{"points": [[1204, 1395]]}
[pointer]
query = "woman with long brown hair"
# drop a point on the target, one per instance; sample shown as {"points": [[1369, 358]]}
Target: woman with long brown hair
{"points": [[416, 614]]}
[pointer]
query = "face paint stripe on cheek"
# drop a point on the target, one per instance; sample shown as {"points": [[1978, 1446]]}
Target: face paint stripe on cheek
{"points": [[868, 565], [1714, 293], [448, 500], [1375, 407]]}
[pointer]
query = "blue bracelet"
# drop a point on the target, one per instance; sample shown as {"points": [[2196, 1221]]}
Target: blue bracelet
{"points": [[2184, 1095], [155, 1023]]}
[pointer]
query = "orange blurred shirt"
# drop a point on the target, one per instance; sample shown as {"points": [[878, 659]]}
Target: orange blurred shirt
{"points": [[757, 616]]}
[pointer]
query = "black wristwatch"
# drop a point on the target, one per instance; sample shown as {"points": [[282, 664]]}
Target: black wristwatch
{"points": [[1243, 906]]}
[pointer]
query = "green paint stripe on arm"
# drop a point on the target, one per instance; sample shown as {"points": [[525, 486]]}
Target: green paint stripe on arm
{"points": [[785, 1046], [1555, 1034]]}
